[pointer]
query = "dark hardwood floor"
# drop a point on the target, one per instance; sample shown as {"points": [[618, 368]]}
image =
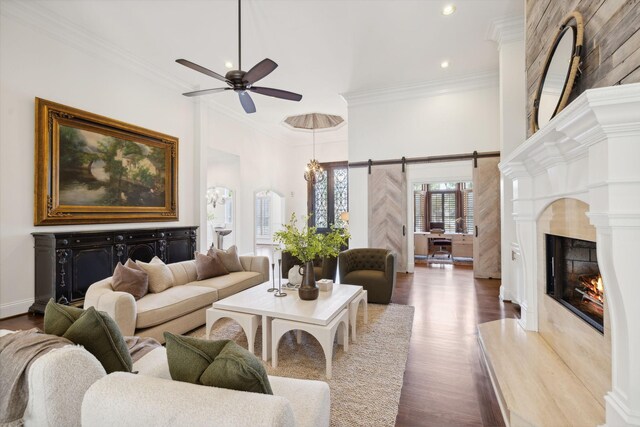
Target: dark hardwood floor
{"points": [[445, 382]]}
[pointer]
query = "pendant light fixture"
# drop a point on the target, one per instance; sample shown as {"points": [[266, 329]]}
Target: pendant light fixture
{"points": [[313, 172]]}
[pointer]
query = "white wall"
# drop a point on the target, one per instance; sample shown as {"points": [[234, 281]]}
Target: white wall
{"points": [[36, 63], [33, 64], [262, 166], [452, 123], [513, 125]]}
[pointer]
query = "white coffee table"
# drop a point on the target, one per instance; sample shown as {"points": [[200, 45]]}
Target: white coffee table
{"points": [[316, 317]]}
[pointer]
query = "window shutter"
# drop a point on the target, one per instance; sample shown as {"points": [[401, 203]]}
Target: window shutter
{"points": [[436, 208], [468, 210], [419, 220], [449, 205]]}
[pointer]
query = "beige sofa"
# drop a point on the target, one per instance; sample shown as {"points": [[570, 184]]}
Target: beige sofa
{"points": [[179, 308]]}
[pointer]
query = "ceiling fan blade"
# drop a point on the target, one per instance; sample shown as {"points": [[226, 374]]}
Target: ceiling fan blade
{"points": [[206, 91], [201, 69], [259, 71], [277, 93], [247, 102]]}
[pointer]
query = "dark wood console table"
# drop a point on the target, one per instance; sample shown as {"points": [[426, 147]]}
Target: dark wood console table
{"points": [[67, 263]]}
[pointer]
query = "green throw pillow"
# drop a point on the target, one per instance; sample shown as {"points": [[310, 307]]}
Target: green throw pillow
{"points": [[100, 335], [58, 317], [221, 364]]}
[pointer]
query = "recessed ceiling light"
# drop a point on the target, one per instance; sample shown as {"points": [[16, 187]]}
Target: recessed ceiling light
{"points": [[228, 64], [448, 9], [444, 64]]}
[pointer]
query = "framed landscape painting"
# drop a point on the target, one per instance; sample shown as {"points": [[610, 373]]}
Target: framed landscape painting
{"points": [[93, 169]]}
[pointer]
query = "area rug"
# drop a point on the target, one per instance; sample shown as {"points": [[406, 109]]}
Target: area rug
{"points": [[367, 380]]}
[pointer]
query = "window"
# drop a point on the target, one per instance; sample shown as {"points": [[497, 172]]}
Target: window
{"points": [[263, 215], [445, 205], [329, 198], [419, 198], [467, 206]]}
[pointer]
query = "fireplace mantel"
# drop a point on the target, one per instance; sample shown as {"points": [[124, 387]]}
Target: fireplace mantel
{"points": [[590, 152]]}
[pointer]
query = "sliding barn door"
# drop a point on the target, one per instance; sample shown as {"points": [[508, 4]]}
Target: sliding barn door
{"points": [[388, 211], [486, 214]]}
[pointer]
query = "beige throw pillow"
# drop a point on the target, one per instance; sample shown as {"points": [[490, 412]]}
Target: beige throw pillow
{"points": [[208, 266], [229, 258], [160, 276], [130, 278]]}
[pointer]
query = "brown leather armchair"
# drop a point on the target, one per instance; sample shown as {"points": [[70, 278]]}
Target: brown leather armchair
{"points": [[324, 268], [373, 269]]}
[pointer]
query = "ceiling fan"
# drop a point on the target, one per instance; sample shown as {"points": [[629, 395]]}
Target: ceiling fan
{"points": [[240, 81]]}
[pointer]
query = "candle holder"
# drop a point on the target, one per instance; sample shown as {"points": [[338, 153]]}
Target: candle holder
{"points": [[273, 278], [279, 292]]}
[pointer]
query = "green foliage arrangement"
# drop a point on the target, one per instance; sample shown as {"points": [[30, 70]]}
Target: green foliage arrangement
{"points": [[306, 243]]}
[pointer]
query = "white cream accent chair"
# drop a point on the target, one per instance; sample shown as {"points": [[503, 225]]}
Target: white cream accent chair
{"points": [[180, 308], [68, 387]]}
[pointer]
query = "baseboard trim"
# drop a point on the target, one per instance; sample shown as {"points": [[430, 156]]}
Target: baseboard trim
{"points": [[15, 308]]}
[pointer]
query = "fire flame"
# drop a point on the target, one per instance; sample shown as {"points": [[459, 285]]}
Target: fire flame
{"points": [[593, 287]]}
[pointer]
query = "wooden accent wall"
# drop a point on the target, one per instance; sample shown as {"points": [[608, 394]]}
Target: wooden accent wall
{"points": [[611, 42]]}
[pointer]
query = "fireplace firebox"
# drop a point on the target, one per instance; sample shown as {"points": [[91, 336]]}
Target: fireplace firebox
{"points": [[573, 278]]}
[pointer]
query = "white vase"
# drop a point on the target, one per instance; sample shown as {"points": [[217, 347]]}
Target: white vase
{"points": [[295, 278]]}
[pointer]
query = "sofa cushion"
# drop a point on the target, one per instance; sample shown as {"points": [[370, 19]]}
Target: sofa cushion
{"points": [[100, 335], [183, 272], [232, 283], [229, 258], [221, 364], [160, 276], [154, 309], [208, 266], [130, 278], [58, 317]]}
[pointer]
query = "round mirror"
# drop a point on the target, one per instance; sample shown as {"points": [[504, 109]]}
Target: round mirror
{"points": [[559, 73]]}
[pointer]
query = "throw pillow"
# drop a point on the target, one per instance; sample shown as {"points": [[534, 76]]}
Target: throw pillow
{"points": [[208, 266], [100, 335], [160, 276], [229, 258], [237, 369], [130, 278], [58, 317], [215, 363]]}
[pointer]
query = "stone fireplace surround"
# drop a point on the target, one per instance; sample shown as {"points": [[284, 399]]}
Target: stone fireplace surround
{"points": [[589, 152]]}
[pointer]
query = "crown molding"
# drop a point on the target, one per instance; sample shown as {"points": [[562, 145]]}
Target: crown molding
{"points": [[43, 20], [506, 30], [422, 90]]}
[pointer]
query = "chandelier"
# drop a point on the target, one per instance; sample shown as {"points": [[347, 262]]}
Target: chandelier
{"points": [[313, 171]]}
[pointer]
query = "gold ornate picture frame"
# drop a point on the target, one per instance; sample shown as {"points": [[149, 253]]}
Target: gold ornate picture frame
{"points": [[91, 169]]}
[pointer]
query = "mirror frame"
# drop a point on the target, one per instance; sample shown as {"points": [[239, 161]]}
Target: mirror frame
{"points": [[573, 71]]}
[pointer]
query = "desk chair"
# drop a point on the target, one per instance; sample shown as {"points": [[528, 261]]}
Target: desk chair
{"points": [[441, 245]]}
